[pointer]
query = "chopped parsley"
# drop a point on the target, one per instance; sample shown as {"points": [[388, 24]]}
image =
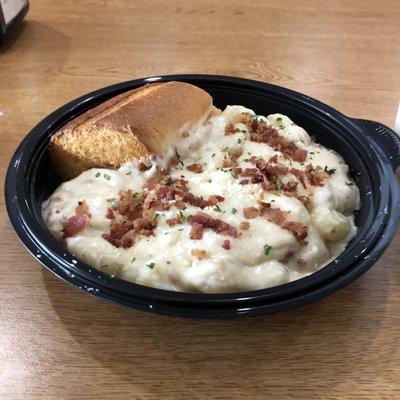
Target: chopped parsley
{"points": [[108, 177], [239, 141], [97, 174], [182, 216], [180, 229], [217, 209], [213, 155], [280, 122], [178, 156], [268, 249], [169, 181], [151, 265], [156, 215], [234, 211], [329, 171], [349, 183], [133, 259], [111, 199], [128, 173]]}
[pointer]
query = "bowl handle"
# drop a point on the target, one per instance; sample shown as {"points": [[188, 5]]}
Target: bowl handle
{"points": [[385, 137]]}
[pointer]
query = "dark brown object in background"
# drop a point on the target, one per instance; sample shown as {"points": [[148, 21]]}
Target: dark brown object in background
{"points": [[10, 22]]}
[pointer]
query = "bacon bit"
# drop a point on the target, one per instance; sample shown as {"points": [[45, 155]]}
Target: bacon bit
{"points": [[120, 228], [290, 186], [236, 171], [250, 212], [278, 217], [268, 186], [227, 163], [150, 185], [75, 224], [254, 174], [216, 225], [162, 206], [194, 200], [293, 152], [244, 226], [129, 205], [173, 161], [299, 231], [180, 204], [274, 215], [200, 254], [215, 199], [227, 244], [181, 184], [316, 175], [174, 221], [82, 208], [230, 129], [263, 133], [273, 159], [166, 192], [114, 241], [185, 134], [128, 239], [253, 159], [144, 167], [196, 168], [272, 170], [249, 172], [110, 213], [144, 225], [196, 231], [244, 182]]}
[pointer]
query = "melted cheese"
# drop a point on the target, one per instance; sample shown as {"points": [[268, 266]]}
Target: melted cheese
{"points": [[165, 259]]}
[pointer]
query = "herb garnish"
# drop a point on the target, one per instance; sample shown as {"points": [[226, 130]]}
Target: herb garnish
{"points": [[111, 199], [234, 211], [151, 265], [97, 174], [349, 183], [217, 209], [108, 177], [178, 156], [182, 216], [268, 249], [156, 215], [329, 171]]}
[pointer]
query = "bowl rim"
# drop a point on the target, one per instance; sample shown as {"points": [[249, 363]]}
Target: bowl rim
{"points": [[67, 266]]}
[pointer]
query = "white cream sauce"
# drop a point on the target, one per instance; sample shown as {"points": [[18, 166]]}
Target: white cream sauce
{"points": [[165, 260]]}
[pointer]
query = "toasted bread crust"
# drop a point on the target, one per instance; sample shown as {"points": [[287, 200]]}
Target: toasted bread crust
{"points": [[131, 125]]}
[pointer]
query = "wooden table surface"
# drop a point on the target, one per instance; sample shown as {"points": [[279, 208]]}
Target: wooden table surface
{"points": [[57, 342]]}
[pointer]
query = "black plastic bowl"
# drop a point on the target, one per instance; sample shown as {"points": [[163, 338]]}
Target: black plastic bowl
{"points": [[370, 149]]}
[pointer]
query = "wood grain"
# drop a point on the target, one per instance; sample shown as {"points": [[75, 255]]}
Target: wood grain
{"points": [[59, 343]]}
